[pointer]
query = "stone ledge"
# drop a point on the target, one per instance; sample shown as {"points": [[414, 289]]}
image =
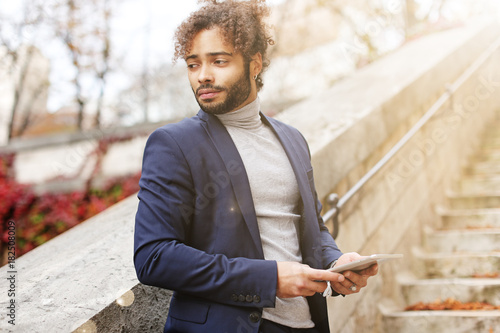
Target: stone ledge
{"points": [[129, 312], [66, 281], [42, 142]]}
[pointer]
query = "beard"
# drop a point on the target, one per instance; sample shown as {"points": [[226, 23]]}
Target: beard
{"points": [[236, 94]]}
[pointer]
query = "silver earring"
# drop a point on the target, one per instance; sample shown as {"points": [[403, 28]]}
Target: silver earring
{"points": [[255, 77]]}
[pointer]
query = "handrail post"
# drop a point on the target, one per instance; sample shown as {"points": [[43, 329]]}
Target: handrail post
{"points": [[332, 200]]}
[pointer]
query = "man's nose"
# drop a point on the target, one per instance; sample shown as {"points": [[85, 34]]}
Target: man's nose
{"points": [[206, 75]]}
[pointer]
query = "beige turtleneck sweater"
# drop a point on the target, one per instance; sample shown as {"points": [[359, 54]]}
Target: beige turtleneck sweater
{"points": [[276, 197]]}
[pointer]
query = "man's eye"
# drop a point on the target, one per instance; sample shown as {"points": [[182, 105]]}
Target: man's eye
{"points": [[220, 62], [191, 66]]}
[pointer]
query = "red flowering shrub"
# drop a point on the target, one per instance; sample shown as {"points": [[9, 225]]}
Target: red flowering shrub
{"points": [[39, 218]]}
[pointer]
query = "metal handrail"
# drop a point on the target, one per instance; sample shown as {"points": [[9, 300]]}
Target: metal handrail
{"points": [[337, 203]]}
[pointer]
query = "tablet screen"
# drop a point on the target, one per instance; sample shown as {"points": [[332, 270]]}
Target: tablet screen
{"points": [[364, 262]]}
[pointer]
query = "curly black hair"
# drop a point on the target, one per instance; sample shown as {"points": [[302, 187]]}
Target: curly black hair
{"points": [[242, 24]]}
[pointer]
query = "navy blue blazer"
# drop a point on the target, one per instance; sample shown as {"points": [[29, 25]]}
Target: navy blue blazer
{"points": [[196, 229]]}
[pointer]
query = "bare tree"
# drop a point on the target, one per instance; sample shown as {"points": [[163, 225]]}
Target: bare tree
{"points": [[83, 27], [16, 38], [104, 34], [70, 30], [410, 17]]}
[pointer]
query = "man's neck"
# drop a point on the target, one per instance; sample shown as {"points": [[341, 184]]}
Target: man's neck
{"points": [[245, 117]]}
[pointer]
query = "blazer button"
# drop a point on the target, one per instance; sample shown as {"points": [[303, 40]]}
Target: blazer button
{"points": [[234, 298], [256, 298], [255, 317], [249, 298], [241, 298]]}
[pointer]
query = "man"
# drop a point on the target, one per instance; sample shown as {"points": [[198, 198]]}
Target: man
{"points": [[228, 215]]}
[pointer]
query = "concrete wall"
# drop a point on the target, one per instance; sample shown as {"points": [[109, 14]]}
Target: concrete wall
{"points": [[363, 117], [65, 162], [84, 280]]}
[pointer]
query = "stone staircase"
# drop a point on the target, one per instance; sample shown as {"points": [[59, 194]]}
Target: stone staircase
{"points": [[461, 259]]}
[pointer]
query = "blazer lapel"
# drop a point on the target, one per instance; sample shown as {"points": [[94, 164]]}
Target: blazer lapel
{"points": [[241, 186], [309, 232], [298, 165]]}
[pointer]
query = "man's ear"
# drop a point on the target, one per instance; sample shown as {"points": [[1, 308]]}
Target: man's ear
{"points": [[256, 64]]}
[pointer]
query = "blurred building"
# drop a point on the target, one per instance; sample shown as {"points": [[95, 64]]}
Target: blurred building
{"points": [[62, 121], [24, 84]]}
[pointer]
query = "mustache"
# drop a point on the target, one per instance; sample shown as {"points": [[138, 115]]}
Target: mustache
{"points": [[209, 86]]}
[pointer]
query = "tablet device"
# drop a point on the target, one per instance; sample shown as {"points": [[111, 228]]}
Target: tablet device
{"points": [[365, 262]]}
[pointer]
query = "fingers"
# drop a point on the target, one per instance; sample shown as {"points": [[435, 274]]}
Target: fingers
{"points": [[324, 275], [344, 288], [359, 280], [296, 279], [352, 284], [313, 287], [315, 280], [348, 257], [370, 271], [354, 281]]}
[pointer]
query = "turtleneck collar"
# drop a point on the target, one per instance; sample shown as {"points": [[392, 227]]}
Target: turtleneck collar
{"points": [[247, 117]]}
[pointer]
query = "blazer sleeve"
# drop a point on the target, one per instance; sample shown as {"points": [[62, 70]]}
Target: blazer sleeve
{"points": [[162, 256]]}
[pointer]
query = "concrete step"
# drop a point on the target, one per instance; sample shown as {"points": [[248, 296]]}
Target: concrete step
{"points": [[462, 240], [455, 260], [487, 154], [492, 141], [441, 322], [480, 184], [463, 201], [492, 132], [483, 168], [455, 265], [463, 290], [470, 218]]}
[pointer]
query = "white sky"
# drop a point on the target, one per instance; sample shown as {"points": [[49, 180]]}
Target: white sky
{"points": [[130, 22], [161, 16]]}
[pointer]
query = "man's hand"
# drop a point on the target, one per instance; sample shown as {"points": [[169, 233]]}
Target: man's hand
{"points": [[353, 281], [295, 279]]}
